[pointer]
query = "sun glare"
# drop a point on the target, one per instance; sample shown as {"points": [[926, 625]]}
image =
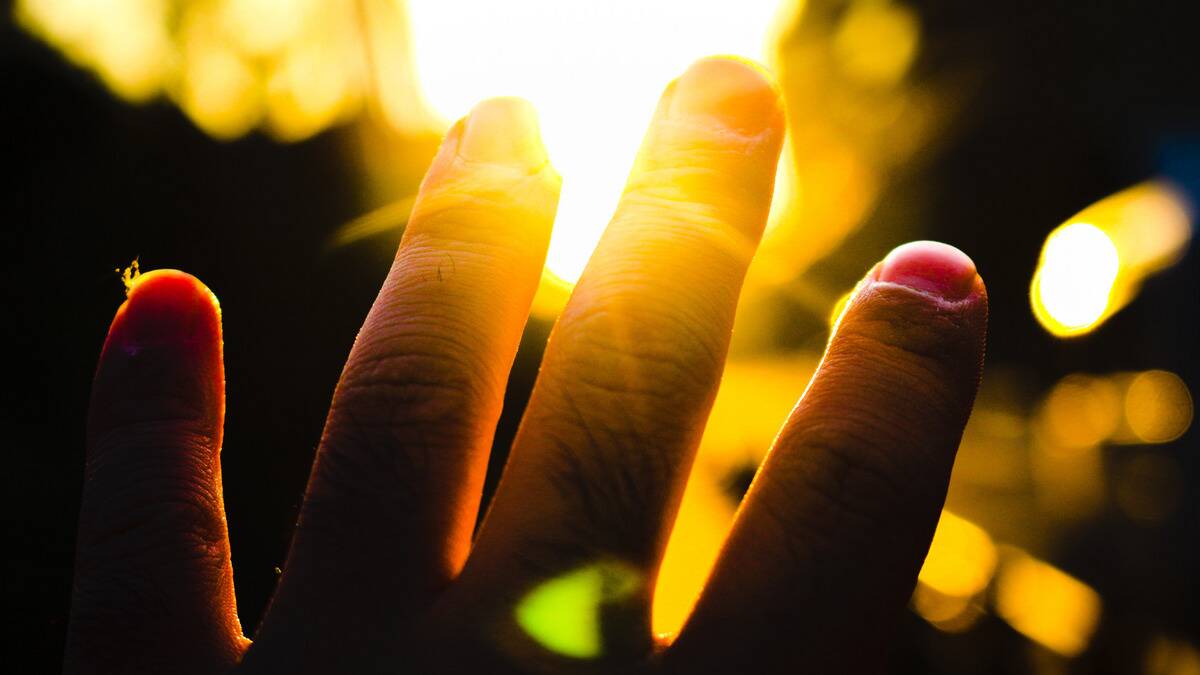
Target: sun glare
{"points": [[594, 71]]}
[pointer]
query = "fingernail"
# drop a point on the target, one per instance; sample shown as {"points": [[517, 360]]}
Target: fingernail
{"points": [[735, 92], [165, 307], [931, 267], [503, 131]]}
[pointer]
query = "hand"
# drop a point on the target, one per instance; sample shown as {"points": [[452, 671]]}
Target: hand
{"points": [[383, 574]]}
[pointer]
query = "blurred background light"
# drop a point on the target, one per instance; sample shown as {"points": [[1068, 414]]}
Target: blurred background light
{"points": [[1046, 604], [1158, 406], [961, 558], [1093, 265], [1075, 278]]}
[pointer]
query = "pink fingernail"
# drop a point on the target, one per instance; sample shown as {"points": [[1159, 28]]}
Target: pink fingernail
{"points": [[932, 267]]}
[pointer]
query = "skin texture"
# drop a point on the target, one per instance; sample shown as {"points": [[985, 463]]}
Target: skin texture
{"points": [[825, 548]]}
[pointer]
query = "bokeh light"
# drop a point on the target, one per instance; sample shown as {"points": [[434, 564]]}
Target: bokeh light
{"points": [[961, 558], [1075, 278], [1081, 411], [1046, 604], [1158, 406], [1094, 265]]}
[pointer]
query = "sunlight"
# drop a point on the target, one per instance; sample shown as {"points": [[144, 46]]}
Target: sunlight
{"points": [[593, 71]]}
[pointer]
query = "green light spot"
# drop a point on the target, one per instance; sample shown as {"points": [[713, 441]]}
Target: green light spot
{"points": [[563, 614]]}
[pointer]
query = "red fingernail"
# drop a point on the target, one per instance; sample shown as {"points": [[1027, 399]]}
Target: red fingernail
{"points": [[931, 267], [165, 307]]}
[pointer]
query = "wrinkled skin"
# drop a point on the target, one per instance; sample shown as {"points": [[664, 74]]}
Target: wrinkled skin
{"points": [[383, 574]]}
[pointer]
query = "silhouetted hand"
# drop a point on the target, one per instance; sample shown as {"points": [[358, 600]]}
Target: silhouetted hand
{"points": [[383, 575]]}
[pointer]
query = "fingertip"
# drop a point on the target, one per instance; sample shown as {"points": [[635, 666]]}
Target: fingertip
{"points": [[739, 93], [503, 130], [166, 307], [931, 267]]}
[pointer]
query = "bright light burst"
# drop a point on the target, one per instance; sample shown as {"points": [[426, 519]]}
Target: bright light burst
{"points": [[1075, 278], [594, 72], [1094, 265]]}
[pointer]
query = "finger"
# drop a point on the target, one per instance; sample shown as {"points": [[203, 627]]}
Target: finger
{"points": [[826, 547], [394, 491], [153, 583], [631, 368]]}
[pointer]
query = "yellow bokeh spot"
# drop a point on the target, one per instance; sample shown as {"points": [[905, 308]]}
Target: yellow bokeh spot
{"points": [[1094, 265], [1081, 411], [876, 41], [961, 558], [124, 41], [1074, 279], [1158, 406], [1047, 605], [563, 614], [220, 93]]}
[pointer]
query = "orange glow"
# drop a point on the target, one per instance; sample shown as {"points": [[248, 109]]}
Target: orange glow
{"points": [[754, 399], [959, 566], [961, 558], [1158, 406], [1046, 604], [1081, 411]]}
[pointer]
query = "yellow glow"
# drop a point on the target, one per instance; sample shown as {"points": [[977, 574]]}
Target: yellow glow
{"points": [[960, 563], [1075, 278], [563, 614], [594, 71], [754, 398], [308, 91], [263, 27], [835, 314], [296, 65], [1158, 406], [124, 41], [1046, 604], [1081, 411], [961, 558], [876, 41], [1094, 265], [705, 515], [220, 92]]}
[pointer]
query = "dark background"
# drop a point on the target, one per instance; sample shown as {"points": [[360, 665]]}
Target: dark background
{"points": [[1074, 100]]}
